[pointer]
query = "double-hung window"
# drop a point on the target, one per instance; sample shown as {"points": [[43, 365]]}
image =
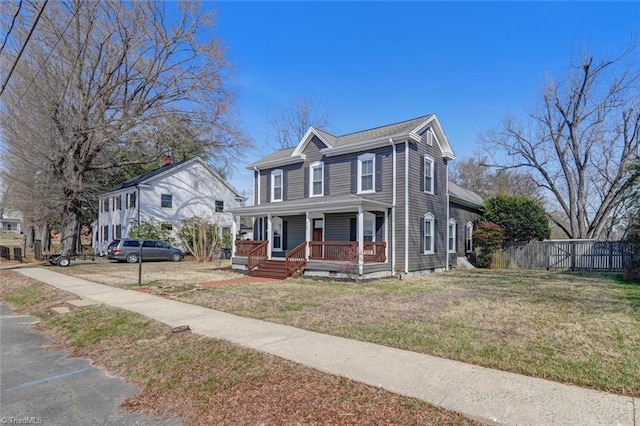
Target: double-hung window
{"points": [[452, 235], [132, 200], [219, 206], [166, 201], [317, 179], [469, 237], [276, 185], [428, 175], [428, 231], [366, 173]]}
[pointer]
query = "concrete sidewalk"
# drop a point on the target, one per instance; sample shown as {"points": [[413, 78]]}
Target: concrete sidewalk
{"points": [[481, 393]]}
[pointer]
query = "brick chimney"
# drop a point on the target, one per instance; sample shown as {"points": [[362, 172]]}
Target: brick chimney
{"points": [[167, 159]]}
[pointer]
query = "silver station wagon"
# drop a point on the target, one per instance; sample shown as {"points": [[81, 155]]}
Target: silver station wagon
{"points": [[128, 249]]}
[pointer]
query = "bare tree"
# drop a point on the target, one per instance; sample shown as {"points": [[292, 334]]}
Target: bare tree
{"points": [[474, 175], [98, 75], [580, 142], [288, 127]]}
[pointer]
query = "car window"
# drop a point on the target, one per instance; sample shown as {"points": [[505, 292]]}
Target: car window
{"points": [[149, 243], [131, 243], [162, 244], [112, 244]]}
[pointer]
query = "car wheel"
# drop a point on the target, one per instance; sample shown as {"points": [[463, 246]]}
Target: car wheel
{"points": [[176, 257], [64, 261], [132, 258]]}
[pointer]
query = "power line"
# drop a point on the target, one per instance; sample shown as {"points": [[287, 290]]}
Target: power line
{"points": [[31, 31], [13, 22]]}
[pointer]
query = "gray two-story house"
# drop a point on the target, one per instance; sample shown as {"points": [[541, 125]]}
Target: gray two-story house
{"points": [[373, 203]]}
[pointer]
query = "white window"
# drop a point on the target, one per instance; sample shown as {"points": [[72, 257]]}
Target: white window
{"points": [[166, 201], [369, 231], [469, 237], [452, 235], [277, 234], [316, 183], [366, 173], [276, 185], [428, 229], [428, 175]]}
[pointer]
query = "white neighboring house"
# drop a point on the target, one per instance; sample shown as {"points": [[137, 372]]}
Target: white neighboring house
{"points": [[10, 221], [169, 194]]}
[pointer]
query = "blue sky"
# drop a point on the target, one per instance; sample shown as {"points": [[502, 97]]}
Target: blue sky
{"points": [[375, 63]]}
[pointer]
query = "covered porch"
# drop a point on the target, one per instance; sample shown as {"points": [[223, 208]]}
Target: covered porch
{"points": [[326, 236]]}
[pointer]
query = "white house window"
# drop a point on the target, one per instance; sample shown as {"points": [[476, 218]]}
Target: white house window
{"points": [[219, 206], [132, 200], [166, 201], [276, 185], [105, 205], [117, 201], [452, 235], [428, 229], [317, 179], [366, 169], [369, 224], [277, 234], [428, 175], [469, 238], [118, 231]]}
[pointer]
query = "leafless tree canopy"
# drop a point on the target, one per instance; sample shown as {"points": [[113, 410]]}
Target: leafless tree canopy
{"points": [[580, 142], [96, 81], [288, 127]]}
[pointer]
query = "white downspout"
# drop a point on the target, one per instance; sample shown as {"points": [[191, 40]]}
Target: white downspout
{"points": [[406, 206], [446, 268], [360, 240], [393, 210], [269, 235], [258, 189]]}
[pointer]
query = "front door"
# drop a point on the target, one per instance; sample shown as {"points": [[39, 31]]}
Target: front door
{"points": [[317, 235]]}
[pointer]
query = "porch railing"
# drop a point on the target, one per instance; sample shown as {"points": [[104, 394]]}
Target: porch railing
{"points": [[374, 251], [296, 259], [347, 251], [257, 256], [243, 247]]}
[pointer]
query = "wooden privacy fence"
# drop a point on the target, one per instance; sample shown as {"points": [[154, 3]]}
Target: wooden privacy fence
{"points": [[567, 255]]}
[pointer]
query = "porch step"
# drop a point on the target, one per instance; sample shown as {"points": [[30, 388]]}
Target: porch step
{"points": [[271, 269]]}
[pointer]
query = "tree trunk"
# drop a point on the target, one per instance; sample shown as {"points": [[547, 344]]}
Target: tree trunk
{"points": [[70, 231], [43, 234]]}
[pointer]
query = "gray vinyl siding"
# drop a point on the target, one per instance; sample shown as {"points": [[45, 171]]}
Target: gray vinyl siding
{"points": [[296, 231], [421, 203], [462, 216], [336, 226]]}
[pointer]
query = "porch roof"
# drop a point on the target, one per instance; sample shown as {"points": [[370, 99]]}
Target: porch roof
{"points": [[326, 204]]}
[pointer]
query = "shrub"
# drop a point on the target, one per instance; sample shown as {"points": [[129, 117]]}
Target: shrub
{"points": [[201, 238], [487, 237], [521, 218]]}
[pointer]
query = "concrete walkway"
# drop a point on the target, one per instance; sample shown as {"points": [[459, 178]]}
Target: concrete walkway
{"points": [[481, 393]]}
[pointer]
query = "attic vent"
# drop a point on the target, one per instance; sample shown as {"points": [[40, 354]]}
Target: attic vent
{"points": [[429, 137]]}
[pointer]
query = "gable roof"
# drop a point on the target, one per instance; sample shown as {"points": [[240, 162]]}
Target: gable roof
{"points": [[166, 169], [361, 140]]}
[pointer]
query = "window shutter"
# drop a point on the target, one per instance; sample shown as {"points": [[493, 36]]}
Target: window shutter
{"points": [[422, 175], [284, 235], [378, 172], [284, 185], [436, 235], [435, 178], [326, 179], [268, 187], [422, 236], [354, 176], [306, 181], [353, 228]]}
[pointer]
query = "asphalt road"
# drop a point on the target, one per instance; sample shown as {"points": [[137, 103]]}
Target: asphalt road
{"points": [[47, 387]]}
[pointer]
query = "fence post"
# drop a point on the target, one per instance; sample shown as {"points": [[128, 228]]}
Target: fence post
{"points": [[17, 254]]}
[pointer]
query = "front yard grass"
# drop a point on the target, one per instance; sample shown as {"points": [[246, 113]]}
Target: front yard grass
{"points": [[571, 328], [578, 329], [206, 381]]}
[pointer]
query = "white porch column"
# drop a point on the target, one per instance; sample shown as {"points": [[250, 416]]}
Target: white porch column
{"points": [[386, 235], [307, 236], [234, 232], [269, 235], [360, 240]]}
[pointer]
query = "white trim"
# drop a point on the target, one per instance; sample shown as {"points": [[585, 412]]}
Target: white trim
{"points": [[274, 173], [406, 207], [393, 207], [269, 235], [313, 166], [468, 237], [278, 163], [360, 240], [446, 265], [308, 136], [427, 159], [430, 218], [452, 222], [369, 156], [275, 221], [438, 133], [258, 189]]}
